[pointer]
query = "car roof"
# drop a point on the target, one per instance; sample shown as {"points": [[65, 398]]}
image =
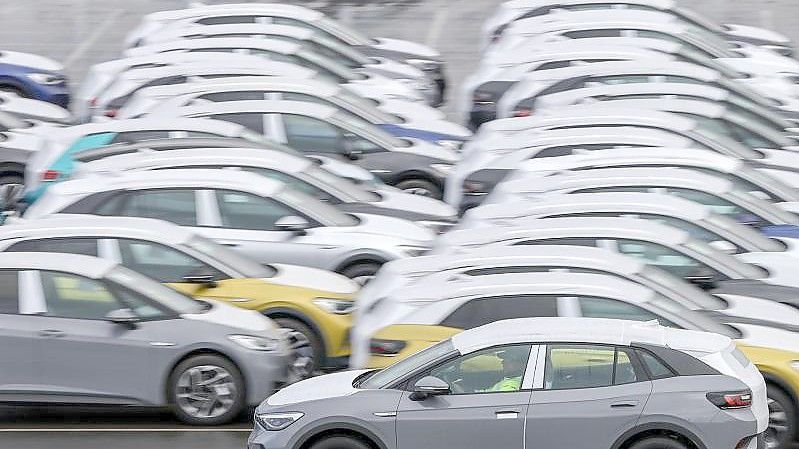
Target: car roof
{"points": [[67, 225], [21, 140], [657, 88], [239, 28], [264, 67], [188, 178], [530, 4], [600, 18], [316, 110], [585, 135], [274, 159], [587, 330], [294, 11], [274, 45], [319, 87], [114, 149], [674, 156], [623, 176], [220, 127], [582, 48], [92, 267]]}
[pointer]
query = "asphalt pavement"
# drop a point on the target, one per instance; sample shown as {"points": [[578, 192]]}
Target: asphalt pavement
{"points": [[80, 33]]}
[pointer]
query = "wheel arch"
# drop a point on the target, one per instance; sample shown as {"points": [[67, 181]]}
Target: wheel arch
{"points": [[347, 429], [658, 429], [285, 312]]}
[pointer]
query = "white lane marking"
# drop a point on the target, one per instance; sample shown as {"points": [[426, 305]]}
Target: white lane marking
{"points": [[439, 20], [101, 29], [55, 429]]}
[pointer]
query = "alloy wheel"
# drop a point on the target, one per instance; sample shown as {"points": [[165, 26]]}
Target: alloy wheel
{"points": [[206, 391]]}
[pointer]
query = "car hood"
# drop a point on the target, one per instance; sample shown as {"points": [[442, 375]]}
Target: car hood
{"points": [[321, 387], [30, 60], [393, 69], [409, 48], [392, 227], [411, 109], [313, 278], [227, 315]]}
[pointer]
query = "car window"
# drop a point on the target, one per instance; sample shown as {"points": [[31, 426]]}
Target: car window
{"points": [[9, 291], [71, 296], [552, 65], [586, 366], [253, 121], [718, 205], [240, 210], [138, 136], [307, 26], [242, 95], [571, 241], [656, 368], [225, 20], [177, 206], [493, 370], [620, 79], [587, 34], [311, 134], [296, 184], [480, 311], [163, 263], [85, 246], [614, 309], [664, 258], [294, 96]]}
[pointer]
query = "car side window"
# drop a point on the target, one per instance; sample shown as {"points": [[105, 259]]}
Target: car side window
{"points": [[226, 20], [242, 95], [9, 291], [177, 206], [613, 309], [666, 259], [72, 296], [656, 368], [480, 311], [294, 96], [253, 121], [85, 246], [296, 184], [571, 241], [587, 34], [163, 263], [493, 370], [240, 210], [587, 366], [310, 134]]}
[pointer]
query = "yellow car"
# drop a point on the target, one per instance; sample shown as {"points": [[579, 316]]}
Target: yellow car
{"points": [[315, 304]]}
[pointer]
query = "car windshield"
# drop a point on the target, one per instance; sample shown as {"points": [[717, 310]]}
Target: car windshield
{"points": [[385, 377], [247, 267], [322, 212], [679, 313], [159, 293], [343, 185]]}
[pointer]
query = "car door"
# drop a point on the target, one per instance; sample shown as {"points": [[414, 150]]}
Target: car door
{"points": [[483, 410], [18, 336], [585, 396], [86, 358], [248, 224]]}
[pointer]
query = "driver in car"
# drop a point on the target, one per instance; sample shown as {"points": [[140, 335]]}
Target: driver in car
{"points": [[513, 364]]}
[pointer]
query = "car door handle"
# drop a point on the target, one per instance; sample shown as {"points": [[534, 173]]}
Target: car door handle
{"points": [[507, 415], [624, 404], [51, 333]]}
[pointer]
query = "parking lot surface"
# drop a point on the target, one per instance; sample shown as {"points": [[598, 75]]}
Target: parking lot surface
{"points": [[80, 33]]}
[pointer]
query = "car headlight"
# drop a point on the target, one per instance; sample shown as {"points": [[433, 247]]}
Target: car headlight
{"points": [[277, 421], [454, 145], [337, 306], [444, 169], [46, 79], [413, 251], [255, 343]]}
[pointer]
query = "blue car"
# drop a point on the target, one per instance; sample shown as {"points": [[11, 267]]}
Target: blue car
{"points": [[33, 76]]}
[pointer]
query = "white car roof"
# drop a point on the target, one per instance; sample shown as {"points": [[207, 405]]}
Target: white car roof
{"points": [[248, 157], [587, 135], [91, 267], [319, 87], [600, 18], [219, 127], [319, 111], [581, 48], [187, 178], [298, 12], [587, 330], [155, 60], [22, 141], [259, 67], [67, 225], [206, 31], [277, 46], [530, 4]]}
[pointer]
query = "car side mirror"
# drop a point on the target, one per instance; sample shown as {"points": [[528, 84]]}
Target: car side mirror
{"points": [[203, 279], [429, 386], [293, 223], [125, 317]]}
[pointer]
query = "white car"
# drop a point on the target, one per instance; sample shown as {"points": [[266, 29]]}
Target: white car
{"points": [[259, 217], [396, 116], [382, 301], [297, 172], [28, 108], [511, 11]]}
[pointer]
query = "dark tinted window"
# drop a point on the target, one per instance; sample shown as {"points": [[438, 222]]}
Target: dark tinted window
{"points": [[9, 292], [177, 206], [138, 136], [587, 34], [553, 65], [573, 241], [233, 96], [226, 20], [310, 134], [613, 309], [241, 210], [163, 263], [480, 311], [656, 368], [578, 366], [253, 121], [85, 246]]}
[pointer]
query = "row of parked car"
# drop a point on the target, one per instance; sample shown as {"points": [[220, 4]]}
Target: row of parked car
{"points": [[284, 176]]}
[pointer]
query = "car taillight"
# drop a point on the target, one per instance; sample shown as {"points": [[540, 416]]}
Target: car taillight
{"points": [[385, 347], [111, 112], [731, 399], [50, 175]]}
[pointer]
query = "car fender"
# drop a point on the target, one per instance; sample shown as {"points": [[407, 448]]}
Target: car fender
{"points": [[337, 423], [361, 254], [655, 425]]}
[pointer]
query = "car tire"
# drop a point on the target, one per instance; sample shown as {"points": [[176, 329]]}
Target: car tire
{"points": [[361, 272], [658, 443], [340, 442], [421, 187], [190, 393], [312, 341], [781, 424]]}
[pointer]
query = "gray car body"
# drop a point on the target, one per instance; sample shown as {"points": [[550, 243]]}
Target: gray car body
{"points": [[389, 418], [97, 361]]}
